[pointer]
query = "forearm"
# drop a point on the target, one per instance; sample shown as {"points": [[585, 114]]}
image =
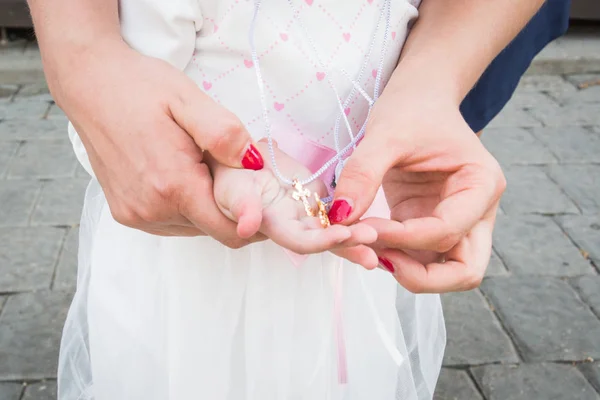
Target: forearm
{"points": [[453, 42], [67, 29]]}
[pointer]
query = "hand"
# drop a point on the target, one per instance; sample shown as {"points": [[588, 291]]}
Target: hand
{"points": [[441, 184], [259, 201], [144, 125]]}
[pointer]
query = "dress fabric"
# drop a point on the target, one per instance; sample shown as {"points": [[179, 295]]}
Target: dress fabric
{"points": [[163, 318]]}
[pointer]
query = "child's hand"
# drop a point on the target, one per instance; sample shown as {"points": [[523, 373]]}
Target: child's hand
{"points": [[259, 202]]}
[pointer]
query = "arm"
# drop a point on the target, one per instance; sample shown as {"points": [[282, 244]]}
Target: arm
{"points": [[463, 36], [136, 116]]}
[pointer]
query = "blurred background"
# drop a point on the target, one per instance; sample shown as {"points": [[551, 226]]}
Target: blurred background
{"points": [[532, 331]]}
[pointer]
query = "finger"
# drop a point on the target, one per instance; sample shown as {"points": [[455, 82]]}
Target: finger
{"points": [[215, 129], [463, 269], [307, 236], [361, 255], [359, 181], [246, 209], [174, 230], [360, 234], [197, 204]]}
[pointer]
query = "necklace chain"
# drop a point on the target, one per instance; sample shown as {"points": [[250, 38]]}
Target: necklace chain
{"points": [[356, 87]]}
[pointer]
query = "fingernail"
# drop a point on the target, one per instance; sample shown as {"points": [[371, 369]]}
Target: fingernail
{"points": [[252, 159], [339, 211], [386, 264]]}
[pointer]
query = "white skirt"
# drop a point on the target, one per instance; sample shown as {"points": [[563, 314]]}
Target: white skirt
{"points": [[158, 318]]}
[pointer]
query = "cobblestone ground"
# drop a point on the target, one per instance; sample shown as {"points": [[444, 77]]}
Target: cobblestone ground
{"points": [[531, 332]]}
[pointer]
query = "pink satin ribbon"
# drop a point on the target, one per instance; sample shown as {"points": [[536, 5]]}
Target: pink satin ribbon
{"points": [[313, 156]]}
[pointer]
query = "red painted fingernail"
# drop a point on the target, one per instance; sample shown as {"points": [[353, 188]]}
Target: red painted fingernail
{"points": [[339, 211], [386, 264], [252, 159]]}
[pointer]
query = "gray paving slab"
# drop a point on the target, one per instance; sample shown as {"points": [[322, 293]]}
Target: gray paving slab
{"points": [[583, 79], [533, 381], [545, 317], [516, 146], [527, 99], [585, 232], [530, 190], [66, 271], [33, 90], [55, 113], [570, 144], [7, 92], [24, 109], [41, 391], [567, 115], [10, 391], [581, 183], [60, 202], [24, 129], [589, 291], [513, 117], [592, 372], [44, 159], [7, 152], [496, 266], [536, 245], [17, 199], [28, 257], [30, 329], [474, 335], [553, 85], [455, 385]]}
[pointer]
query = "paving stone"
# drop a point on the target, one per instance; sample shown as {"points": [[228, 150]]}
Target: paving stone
{"points": [[56, 113], [28, 257], [81, 172], [578, 79], [17, 199], [552, 84], [26, 109], [10, 391], [536, 245], [545, 317], [44, 159], [589, 89], [512, 146], [512, 117], [496, 266], [7, 92], [589, 291], [60, 202], [528, 99], [24, 129], [585, 231], [567, 115], [30, 330], [41, 391], [455, 385], [570, 144], [474, 335], [533, 381], [33, 89], [581, 183], [7, 152], [66, 271], [592, 372], [530, 190]]}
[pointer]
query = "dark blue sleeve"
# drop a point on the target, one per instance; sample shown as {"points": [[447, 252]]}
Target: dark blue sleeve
{"points": [[497, 84]]}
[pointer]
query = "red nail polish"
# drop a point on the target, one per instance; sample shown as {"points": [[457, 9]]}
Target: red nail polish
{"points": [[386, 264], [339, 211], [252, 159]]}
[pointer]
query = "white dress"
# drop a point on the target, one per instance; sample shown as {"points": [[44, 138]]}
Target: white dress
{"points": [[158, 318]]}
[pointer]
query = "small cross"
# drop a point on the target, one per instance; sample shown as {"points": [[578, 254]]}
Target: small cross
{"points": [[302, 194]]}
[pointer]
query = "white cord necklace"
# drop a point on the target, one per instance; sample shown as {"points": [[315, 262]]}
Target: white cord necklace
{"points": [[302, 194]]}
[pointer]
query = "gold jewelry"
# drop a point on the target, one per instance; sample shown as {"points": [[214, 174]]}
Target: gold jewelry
{"points": [[302, 194]]}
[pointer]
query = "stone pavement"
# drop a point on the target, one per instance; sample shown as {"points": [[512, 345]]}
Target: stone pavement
{"points": [[531, 332]]}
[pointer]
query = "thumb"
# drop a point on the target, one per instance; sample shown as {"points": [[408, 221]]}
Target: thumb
{"points": [[359, 181], [215, 129]]}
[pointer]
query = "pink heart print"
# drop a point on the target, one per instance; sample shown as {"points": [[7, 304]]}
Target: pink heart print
{"points": [[283, 36], [309, 2], [346, 36], [320, 76], [278, 106], [393, 35], [206, 85], [374, 73], [248, 63], [347, 111]]}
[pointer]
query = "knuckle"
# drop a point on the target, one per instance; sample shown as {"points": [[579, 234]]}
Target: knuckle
{"points": [[448, 241], [125, 216], [227, 137], [473, 280], [356, 173], [235, 243]]}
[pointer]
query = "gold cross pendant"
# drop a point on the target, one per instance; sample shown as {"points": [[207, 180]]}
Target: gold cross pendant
{"points": [[302, 194]]}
